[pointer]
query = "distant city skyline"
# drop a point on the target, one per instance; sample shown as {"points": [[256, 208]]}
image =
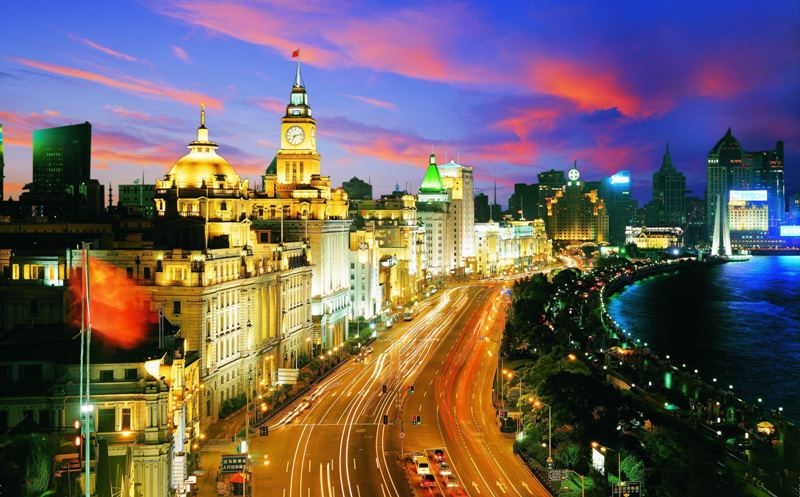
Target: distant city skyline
{"points": [[540, 95]]}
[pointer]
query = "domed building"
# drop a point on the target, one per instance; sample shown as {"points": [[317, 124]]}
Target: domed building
{"points": [[200, 203]]}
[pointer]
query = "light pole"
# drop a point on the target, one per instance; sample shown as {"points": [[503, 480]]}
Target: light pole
{"points": [[604, 449], [537, 404], [581, 477]]}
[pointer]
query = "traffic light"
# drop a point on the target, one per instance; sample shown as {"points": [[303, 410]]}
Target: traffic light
{"points": [[416, 420], [411, 389], [264, 429], [386, 419], [384, 389], [419, 420], [78, 438]]}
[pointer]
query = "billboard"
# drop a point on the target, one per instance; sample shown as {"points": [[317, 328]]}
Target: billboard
{"points": [[622, 177], [748, 195], [790, 230]]}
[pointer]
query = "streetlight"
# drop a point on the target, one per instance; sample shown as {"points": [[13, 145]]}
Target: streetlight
{"points": [[581, 477], [537, 404], [603, 449]]}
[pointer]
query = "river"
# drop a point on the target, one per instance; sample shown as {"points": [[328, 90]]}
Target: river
{"points": [[737, 322]]}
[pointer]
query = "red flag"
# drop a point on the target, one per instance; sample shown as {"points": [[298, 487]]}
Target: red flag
{"points": [[296, 54]]}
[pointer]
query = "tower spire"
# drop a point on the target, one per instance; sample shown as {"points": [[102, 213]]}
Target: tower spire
{"points": [[202, 114], [298, 80]]}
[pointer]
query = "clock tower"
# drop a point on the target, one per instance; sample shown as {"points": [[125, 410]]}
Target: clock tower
{"points": [[297, 160]]}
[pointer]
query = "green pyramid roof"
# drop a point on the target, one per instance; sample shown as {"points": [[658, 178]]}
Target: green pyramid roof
{"points": [[432, 182], [273, 166]]}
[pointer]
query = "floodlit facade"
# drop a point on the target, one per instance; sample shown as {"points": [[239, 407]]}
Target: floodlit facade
{"points": [[457, 180], [508, 246], [297, 203], [434, 214], [576, 213], [366, 291], [655, 238]]}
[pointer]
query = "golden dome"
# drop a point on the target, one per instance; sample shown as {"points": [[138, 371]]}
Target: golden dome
{"points": [[202, 164]]}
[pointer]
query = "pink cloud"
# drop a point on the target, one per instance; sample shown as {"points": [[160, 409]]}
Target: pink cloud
{"points": [[272, 105], [127, 84], [180, 53], [589, 89], [106, 50], [374, 102], [127, 113], [18, 128]]}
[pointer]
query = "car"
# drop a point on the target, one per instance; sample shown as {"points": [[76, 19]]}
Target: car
{"points": [[428, 481], [422, 466], [444, 469], [451, 482], [438, 455]]}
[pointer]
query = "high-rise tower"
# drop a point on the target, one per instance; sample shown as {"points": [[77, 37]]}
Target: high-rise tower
{"points": [[297, 160]]}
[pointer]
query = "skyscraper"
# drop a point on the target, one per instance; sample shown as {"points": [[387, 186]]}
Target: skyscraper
{"points": [[576, 213], [457, 180], [615, 191], [526, 199], [62, 159], [550, 182], [433, 212], [481, 208], [668, 207], [730, 167]]}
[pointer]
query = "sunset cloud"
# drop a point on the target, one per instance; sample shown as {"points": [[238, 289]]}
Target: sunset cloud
{"points": [[180, 53], [127, 84], [106, 50], [374, 102]]}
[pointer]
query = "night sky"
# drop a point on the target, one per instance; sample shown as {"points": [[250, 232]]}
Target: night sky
{"points": [[510, 88]]}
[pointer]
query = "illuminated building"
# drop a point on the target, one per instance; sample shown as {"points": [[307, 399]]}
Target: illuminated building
{"points": [[794, 208], [730, 167], [457, 181], [576, 213], [297, 203], [668, 207], [241, 298], [433, 213], [357, 189], [615, 191], [400, 244], [550, 182], [366, 292], [653, 238], [131, 395], [748, 214], [509, 246]]}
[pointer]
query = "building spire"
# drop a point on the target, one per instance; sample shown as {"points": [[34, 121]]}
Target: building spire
{"points": [[202, 114], [298, 79]]}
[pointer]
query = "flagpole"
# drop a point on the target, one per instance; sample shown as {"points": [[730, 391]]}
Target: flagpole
{"points": [[88, 333]]}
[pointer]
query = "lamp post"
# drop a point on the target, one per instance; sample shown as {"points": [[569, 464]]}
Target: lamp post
{"points": [[604, 449], [537, 404], [581, 477]]}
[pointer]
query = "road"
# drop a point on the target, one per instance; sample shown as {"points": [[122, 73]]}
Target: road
{"points": [[337, 444]]}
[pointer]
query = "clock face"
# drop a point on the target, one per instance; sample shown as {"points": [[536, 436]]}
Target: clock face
{"points": [[573, 174], [295, 135]]}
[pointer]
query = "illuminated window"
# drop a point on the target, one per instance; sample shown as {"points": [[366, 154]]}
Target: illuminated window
{"points": [[125, 425], [15, 272], [26, 272]]}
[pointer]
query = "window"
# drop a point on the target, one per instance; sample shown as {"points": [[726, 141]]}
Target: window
{"points": [[15, 272], [126, 420], [176, 307], [129, 272], [3, 420], [147, 273], [107, 375], [105, 420], [34, 307], [5, 374], [44, 418], [131, 374], [28, 372]]}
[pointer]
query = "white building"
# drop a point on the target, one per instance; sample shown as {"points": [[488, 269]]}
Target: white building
{"points": [[457, 180]]}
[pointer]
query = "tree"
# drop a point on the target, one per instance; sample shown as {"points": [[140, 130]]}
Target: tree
{"points": [[633, 467], [569, 455], [37, 468], [565, 277]]}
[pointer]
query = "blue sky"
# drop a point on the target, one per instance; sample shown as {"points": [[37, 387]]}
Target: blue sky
{"points": [[512, 90]]}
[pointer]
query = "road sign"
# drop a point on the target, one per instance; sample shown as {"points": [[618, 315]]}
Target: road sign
{"points": [[627, 489], [233, 463], [402, 434], [557, 474]]}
